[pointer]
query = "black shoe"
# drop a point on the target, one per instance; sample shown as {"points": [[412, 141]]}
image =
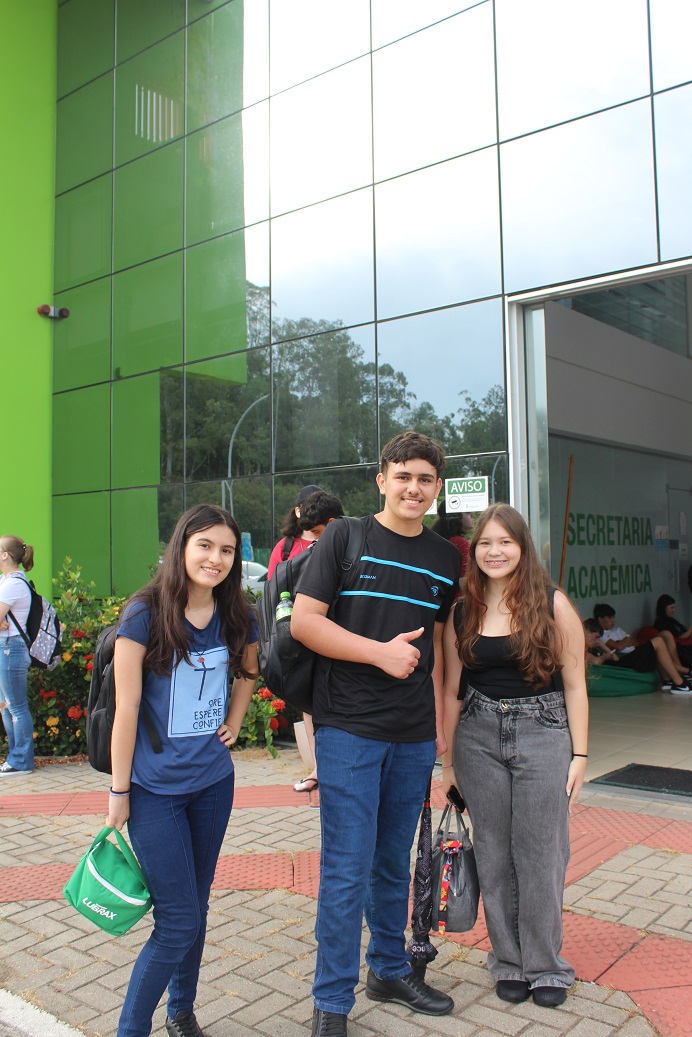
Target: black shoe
{"points": [[328, 1024], [549, 997], [184, 1025], [409, 991], [514, 990]]}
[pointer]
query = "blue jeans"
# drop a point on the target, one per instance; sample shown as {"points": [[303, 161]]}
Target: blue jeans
{"points": [[371, 795], [177, 840], [16, 716], [511, 760]]}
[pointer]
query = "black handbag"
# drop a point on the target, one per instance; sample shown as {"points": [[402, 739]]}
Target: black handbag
{"points": [[454, 876]]}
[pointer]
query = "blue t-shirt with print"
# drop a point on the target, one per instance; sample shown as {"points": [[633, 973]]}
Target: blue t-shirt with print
{"points": [[186, 708]]}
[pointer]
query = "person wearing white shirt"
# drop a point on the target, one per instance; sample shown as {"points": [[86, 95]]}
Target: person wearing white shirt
{"points": [[15, 602], [645, 657]]}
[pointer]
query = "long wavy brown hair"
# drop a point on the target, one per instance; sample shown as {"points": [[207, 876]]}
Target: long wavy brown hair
{"points": [[166, 597], [535, 637]]}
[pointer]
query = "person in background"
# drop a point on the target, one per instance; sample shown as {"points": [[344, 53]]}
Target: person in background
{"points": [[665, 621], [452, 527], [16, 557], [293, 538], [517, 748], [316, 512], [658, 653], [181, 642]]}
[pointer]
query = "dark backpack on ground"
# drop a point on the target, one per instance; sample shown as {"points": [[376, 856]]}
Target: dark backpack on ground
{"points": [[286, 664], [101, 706], [42, 635]]}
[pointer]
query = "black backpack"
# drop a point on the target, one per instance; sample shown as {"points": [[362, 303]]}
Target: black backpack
{"points": [[101, 706], [286, 664], [42, 635]]}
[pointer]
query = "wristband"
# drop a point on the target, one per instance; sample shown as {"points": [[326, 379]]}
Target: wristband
{"points": [[584, 756], [447, 766], [112, 793]]}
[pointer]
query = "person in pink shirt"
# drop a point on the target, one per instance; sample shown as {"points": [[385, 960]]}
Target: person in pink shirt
{"points": [[301, 538]]}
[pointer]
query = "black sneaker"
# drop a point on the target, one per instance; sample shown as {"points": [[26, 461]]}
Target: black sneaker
{"points": [[184, 1025], [549, 997], [410, 991], [513, 990], [328, 1024]]}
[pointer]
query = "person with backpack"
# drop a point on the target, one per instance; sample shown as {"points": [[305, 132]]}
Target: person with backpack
{"points": [[182, 641], [294, 538], [377, 710], [15, 596]]}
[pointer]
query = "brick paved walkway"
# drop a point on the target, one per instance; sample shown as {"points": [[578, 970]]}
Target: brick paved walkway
{"points": [[628, 919]]}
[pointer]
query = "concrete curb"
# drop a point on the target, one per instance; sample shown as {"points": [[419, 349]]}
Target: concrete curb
{"points": [[18, 1017]]}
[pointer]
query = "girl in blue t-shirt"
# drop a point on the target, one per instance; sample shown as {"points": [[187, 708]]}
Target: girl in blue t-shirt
{"points": [[180, 641]]}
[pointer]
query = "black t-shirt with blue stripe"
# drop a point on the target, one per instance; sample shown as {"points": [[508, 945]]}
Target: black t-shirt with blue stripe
{"points": [[400, 583]]}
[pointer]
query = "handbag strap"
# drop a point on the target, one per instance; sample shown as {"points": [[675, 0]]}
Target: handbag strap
{"points": [[451, 812], [127, 853]]}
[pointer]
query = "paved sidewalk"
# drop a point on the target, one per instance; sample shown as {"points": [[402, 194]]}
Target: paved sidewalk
{"points": [[628, 920]]}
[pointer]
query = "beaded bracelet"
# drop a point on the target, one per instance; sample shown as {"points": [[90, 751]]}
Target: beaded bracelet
{"points": [[119, 793]]}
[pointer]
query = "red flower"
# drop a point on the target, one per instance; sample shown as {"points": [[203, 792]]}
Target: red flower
{"points": [[264, 693], [74, 712], [47, 694], [283, 723], [278, 705], [88, 657], [274, 724], [78, 634], [89, 667]]}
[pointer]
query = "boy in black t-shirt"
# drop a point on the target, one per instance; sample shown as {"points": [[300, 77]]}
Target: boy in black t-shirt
{"points": [[378, 717]]}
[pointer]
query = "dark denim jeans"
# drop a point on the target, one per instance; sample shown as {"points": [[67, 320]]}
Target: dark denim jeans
{"points": [[16, 716], [177, 840], [511, 760], [371, 795]]}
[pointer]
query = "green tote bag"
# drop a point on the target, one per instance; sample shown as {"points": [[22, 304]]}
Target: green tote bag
{"points": [[108, 886]]}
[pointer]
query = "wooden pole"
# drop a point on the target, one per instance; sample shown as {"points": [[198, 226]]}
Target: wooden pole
{"points": [[564, 533]]}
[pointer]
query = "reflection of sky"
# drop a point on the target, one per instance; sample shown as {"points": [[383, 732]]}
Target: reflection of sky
{"points": [[671, 32], [312, 36]]}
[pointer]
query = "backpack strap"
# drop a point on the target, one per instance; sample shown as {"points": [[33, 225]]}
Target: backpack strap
{"points": [[287, 548], [354, 548], [10, 614]]}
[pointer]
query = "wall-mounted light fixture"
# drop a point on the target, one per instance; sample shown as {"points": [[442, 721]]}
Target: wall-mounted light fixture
{"points": [[53, 312]]}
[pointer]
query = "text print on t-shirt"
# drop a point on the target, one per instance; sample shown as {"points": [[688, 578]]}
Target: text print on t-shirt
{"points": [[199, 694]]}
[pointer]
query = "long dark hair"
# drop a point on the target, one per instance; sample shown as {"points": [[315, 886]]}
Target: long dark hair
{"points": [[166, 596], [535, 637], [662, 604]]}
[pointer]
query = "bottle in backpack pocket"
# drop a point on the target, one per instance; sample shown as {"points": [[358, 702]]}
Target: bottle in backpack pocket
{"points": [[289, 649], [285, 607]]}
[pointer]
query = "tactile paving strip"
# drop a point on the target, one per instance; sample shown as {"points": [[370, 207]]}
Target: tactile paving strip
{"points": [[588, 851], [592, 946], [306, 873], [656, 963], [616, 824], [676, 836], [254, 871], [672, 1016], [44, 882]]}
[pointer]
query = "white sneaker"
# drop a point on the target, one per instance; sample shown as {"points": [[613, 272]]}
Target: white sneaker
{"points": [[680, 689], [6, 769]]}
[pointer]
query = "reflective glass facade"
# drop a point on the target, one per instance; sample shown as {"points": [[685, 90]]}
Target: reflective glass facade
{"points": [[286, 231]]}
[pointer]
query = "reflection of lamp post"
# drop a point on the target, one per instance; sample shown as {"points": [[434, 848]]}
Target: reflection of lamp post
{"points": [[228, 481], [492, 478]]}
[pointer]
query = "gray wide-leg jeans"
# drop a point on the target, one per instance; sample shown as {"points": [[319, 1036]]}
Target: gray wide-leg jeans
{"points": [[511, 760]]}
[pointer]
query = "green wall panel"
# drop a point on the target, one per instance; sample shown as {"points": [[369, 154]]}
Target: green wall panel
{"points": [[134, 510], [27, 117], [148, 316], [81, 440], [149, 92], [216, 313], [85, 41], [84, 135], [82, 343], [215, 66], [139, 24], [149, 207], [214, 181], [83, 233], [82, 532]]}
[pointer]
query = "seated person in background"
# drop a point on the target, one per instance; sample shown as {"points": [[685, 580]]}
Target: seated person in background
{"points": [[316, 512], [643, 658], [665, 621], [596, 651]]}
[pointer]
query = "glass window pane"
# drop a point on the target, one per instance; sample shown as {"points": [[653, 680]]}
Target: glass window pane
{"points": [[356, 488], [82, 344], [438, 235], [578, 200], [82, 532], [228, 419], [454, 398], [149, 92], [84, 136], [153, 512], [215, 61], [149, 207], [324, 399], [139, 25], [559, 61], [420, 119], [671, 31], [321, 138], [322, 263], [673, 115], [148, 317], [227, 294], [311, 36], [85, 42], [227, 176], [494, 466], [81, 440], [149, 450], [83, 233], [392, 19]]}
